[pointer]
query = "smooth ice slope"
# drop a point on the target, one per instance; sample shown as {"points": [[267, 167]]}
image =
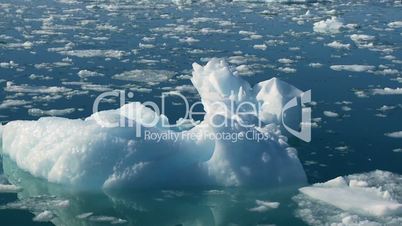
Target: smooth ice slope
{"points": [[84, 153]]}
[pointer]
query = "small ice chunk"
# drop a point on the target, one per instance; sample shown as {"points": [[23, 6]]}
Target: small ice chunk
{"points": [[62, 203], [329, 26], [27, 44], [342, 148], [84, 215], [285, 61], [9, 188], [397, 150], [363, 41], [88, 53], [315, 65], [260, 46], [145, 76], [360, 38], [86, 74], [331, 114], [244, 70], [52, 112], [387, 91], [395, 24], [397, 134], [12, 103], [118, 221], [10, 64], [287, 69], [346, 108], [338, 45], [353, 68], [107, 219], [44, 216], [263, 206]]}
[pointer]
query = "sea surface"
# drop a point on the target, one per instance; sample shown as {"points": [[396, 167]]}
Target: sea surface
{"points": [[56, 57]]}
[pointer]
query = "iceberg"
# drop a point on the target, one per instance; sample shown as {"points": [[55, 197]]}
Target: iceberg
{"points": [[93, 155]]}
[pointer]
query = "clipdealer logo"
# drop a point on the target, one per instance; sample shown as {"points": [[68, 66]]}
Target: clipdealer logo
{"points": [[223, 136], [148, 115]]}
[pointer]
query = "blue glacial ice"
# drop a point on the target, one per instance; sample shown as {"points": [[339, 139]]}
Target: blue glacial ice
{"points": [[87, 154]]}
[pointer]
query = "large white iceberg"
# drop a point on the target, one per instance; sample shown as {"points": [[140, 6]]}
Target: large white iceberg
{"points": [[85, 153]]}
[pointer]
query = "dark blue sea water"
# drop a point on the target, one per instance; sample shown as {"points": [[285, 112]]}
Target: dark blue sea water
{"points": [[46, 43]]}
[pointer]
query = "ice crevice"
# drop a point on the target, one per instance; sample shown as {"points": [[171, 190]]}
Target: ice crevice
{"points": [[84, 153]]}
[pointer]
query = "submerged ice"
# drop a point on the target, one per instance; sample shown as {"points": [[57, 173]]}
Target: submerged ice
{"points": [[86, 153]]}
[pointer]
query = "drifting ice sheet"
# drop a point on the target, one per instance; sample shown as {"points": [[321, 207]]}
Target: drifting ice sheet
{"points": [[362, 199]]}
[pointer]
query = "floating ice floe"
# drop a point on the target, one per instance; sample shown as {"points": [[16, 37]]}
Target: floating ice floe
{"points": [[145, 76], [25, 45], [84, 215], [106, 219], [329, 26], [11, 87], [338, 45], [387, 91], [244, 70], [285, 61], [260, 46], [386, 108], [353, 68], [395, 24], [397, 134], [346, 108], [287, 69], [292, 1], [94, 53], [315, 65], [387, 71], [52, 112], [13, 103], [263, 206], [86, 74], [44, 216], [341, 148], [363, 41], [10, 64], [44, 207], [9, 188], [330, 114], [362, 199], [97, 153]]}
